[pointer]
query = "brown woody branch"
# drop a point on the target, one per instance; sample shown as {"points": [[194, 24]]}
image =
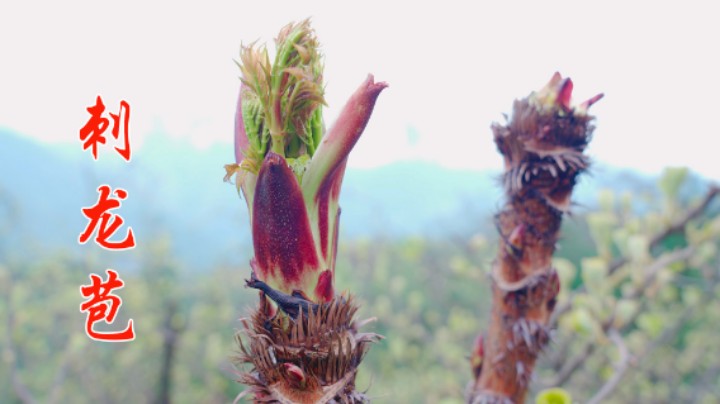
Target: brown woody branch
{"points": [[542, 146]]}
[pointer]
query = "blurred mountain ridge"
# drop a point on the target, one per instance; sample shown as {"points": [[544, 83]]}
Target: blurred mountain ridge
{"points": [[176, 191]]}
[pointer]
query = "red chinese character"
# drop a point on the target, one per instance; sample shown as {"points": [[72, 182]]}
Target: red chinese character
{"points": [[93, 132], [107, 223], [102, 305], [125, 150]]}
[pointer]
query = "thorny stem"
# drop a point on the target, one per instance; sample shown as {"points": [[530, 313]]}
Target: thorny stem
{"points": [[542, 146]]}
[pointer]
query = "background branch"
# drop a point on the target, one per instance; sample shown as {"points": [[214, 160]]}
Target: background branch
{"points": [[21, 390], [576, 362], [659, 237], [620, 368]]}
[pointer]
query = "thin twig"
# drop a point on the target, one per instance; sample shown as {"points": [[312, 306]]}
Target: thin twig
{"points": [[571, 366], [691, 214], [662, 262], [674, 227], [620, 368], [651, 272]]}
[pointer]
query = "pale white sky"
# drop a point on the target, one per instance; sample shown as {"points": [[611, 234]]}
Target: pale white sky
{"points": [[453, 68]]}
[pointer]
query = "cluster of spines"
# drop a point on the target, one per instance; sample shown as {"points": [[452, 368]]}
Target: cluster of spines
{"points": [[543, 150], [310, 358]]}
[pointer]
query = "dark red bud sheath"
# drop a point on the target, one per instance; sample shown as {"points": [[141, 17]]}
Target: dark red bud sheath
{"points": [[343, 135], [327, 199], [284, 248], [323, 179], [324, 290], [352, 120]]}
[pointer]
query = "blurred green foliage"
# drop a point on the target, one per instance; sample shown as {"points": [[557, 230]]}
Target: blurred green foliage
{"points": [[641, 323], [430, 298]]}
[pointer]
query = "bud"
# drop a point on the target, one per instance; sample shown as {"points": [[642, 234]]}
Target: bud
{"points": [[476, 358], [288, 172], [544, 140]]}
